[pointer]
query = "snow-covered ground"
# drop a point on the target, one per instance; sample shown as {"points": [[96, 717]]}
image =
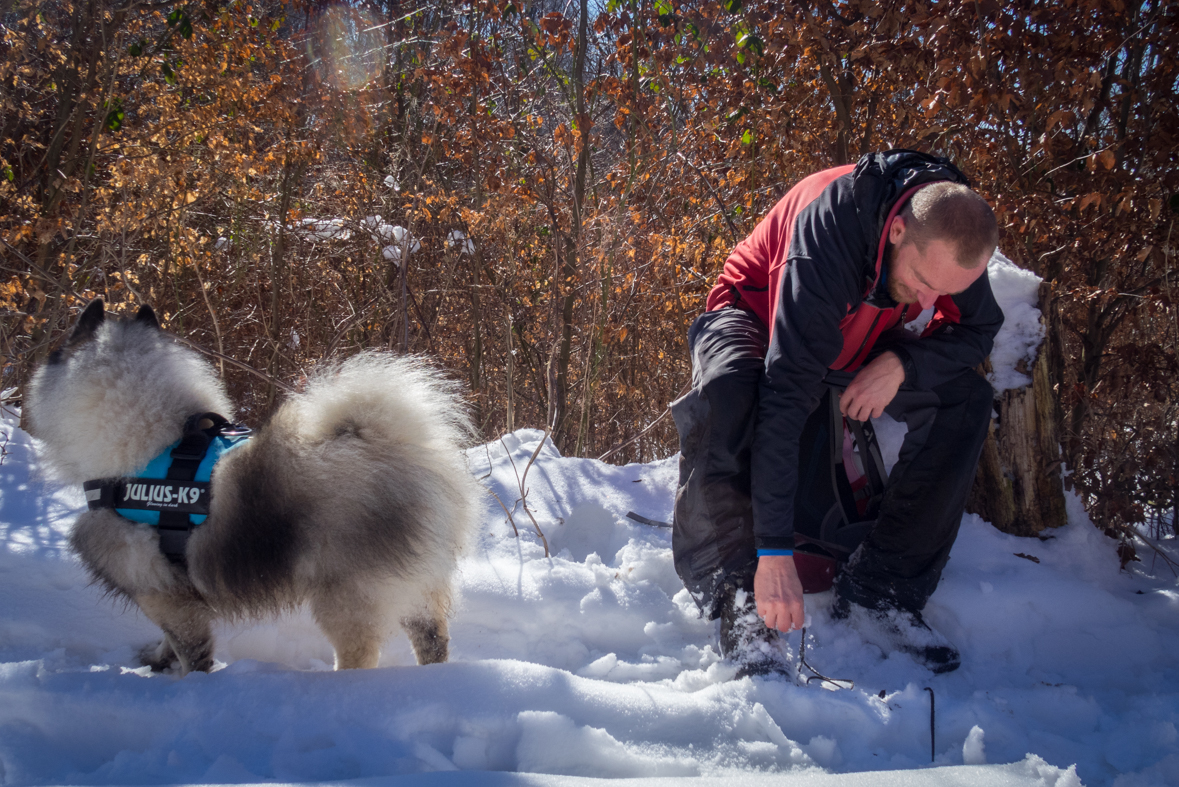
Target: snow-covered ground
{"points": [[592, 663]]}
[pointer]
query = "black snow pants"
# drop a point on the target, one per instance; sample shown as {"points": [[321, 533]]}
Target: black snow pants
{"points": [[901, 560]]}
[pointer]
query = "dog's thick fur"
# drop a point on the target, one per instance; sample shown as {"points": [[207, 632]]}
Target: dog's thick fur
{"points": [[354, 498]]}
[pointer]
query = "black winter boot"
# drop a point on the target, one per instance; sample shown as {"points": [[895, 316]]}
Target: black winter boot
{"points": [[745, 640], [891, 628]]}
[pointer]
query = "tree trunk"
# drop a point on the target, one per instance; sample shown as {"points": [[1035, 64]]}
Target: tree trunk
{"points": [[291, 176], [509, 377], [562, 436], [475, 348], [1018, 486]]}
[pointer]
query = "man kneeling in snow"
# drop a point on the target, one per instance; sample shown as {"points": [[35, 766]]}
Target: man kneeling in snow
{"points": [[816, 298]]}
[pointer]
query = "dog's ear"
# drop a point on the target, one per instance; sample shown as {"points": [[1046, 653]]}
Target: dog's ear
{"points": [[147, 316], [92, 317]]}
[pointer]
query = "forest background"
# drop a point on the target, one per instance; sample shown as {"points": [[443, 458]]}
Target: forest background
{"points": [[563, 182]]}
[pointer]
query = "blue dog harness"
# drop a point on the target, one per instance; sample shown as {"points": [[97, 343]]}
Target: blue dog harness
{"points": [[172, 493]]}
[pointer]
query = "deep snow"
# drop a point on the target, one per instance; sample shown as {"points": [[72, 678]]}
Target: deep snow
{"points": [[593, 663]]}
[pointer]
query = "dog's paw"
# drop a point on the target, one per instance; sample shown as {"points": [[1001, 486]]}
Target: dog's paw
{"points": [[160, 657]]}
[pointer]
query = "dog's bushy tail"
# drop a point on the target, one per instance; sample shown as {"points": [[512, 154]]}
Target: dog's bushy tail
{"points": [[356, 485], [384, 398]]}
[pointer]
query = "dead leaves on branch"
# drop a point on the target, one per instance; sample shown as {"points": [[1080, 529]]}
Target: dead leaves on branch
{"points": [[213, 136]]}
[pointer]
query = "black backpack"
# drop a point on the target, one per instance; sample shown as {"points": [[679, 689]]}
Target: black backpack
{"points": [[840, 484]]}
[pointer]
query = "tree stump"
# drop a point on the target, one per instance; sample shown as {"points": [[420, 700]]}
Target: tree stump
{"points": [[1018, 486]]}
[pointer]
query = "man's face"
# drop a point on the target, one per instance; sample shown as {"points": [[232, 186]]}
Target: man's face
{"points": [[916, 276]]}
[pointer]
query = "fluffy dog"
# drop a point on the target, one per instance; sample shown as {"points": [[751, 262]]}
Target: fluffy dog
{"points": [[354, 498]]}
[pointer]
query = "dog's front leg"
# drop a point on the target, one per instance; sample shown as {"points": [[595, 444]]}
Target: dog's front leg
{"points": [[186, 623]]}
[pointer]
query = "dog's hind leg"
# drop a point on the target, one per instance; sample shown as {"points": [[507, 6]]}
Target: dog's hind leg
{"points": [[429, 637], [428, 632], [159, 657], [352, 622], [188, 633]]}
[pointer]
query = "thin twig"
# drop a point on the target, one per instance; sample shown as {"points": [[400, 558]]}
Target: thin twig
{"points": [[733, 234], [490, 469], [511, 521], [524, 492], [196, 266], [646, 429], [1130, 533], [243, 366], [510, 459], [44, 274]]}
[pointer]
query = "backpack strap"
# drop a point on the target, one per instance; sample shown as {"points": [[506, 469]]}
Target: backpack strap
{"points": [[845, 524], [835, 453], [865, 437]]}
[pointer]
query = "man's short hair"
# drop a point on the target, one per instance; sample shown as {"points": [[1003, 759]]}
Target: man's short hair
{"points": [[954, 213]]}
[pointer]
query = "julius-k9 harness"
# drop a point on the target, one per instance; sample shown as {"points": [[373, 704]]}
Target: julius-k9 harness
{"points": [[172, 493]]}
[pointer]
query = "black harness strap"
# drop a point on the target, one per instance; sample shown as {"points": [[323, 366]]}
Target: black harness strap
{"points": [[175, 527]]}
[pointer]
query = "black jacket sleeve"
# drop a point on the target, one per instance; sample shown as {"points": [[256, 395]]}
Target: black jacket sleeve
{"points": [[805, 341]]}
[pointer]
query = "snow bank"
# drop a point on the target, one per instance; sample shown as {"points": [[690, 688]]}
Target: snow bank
{"points": [[592, 663]]}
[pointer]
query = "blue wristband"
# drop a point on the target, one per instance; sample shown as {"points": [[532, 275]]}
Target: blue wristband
{"points": [[775, 552]]}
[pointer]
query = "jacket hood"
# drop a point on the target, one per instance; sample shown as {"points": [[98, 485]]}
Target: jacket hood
{"points": [[880, 178]]}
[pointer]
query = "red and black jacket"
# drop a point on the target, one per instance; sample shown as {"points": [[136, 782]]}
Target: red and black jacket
{"points": [[814, 271]]}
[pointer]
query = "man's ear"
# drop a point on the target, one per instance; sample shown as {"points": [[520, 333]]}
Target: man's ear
{"points": [[896, 231], [92, 316], [147, 316]]}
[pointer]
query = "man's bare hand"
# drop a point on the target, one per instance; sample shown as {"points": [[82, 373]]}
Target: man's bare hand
{"points": [[778, 593], [873, 388]]}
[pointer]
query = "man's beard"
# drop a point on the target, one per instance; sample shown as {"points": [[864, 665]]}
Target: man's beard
{"points": [[897, 291]]}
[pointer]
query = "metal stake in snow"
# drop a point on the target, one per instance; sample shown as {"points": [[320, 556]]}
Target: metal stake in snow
{"points": [[831, 684], [932, 733]]}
